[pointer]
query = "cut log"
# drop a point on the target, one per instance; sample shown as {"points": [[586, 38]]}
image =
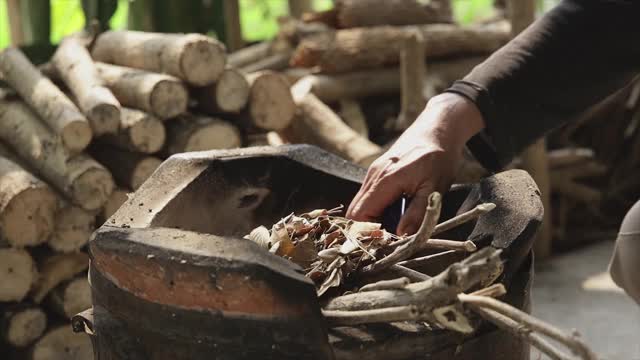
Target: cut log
{"points": [[17, 274], [195, 58], [360, 13], [80, 178], [197, 133], [270, 138], [317, 124], [271, 105], [61, 343], [117, 198], [366, 48], [27, 205], [73, 228], [54, 107], [249, 54], [353, 85], [56, 269], [128, 168], [277, 61], [412, 73], [22, 324], [228, 95], [71, 297], [76, 69], [352, 115], [139, 132], [162, 95]]}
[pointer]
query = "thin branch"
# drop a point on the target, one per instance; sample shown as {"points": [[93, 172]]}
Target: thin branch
{"points": [[573, 342], [467, 246], [398, 283], [472, 214], [385, 315], [413, 275]]}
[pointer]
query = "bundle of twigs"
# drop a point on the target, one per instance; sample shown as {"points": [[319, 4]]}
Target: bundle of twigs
{"points": [[347, 259]]}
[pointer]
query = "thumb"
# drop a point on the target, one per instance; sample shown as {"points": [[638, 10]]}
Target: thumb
{"points": [[412, 218]]}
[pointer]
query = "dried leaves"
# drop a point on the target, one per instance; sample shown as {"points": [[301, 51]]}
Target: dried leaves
{"points": [[331, 248]]}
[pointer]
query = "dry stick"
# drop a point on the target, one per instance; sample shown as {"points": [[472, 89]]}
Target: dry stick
{"points": [[271, 105], [495, 290], [277, 61], [368, 48], [352, 115], [358, 317], [424, 260], [21, 324], [398, 283], [81, 179], [27, 205], [195, 58], [229, 94], [62, 343], [406, 250], [130, 169], [467, 245], [438, 291], [458, 220], [412, 73], [162, 95], [71, 297], [413, 275], [249, 54], [17, 274], [573, 342], [73, 228], [59, 113], [76, 68], [139, 132], [197, 133], [318, 124], [55, 269]]}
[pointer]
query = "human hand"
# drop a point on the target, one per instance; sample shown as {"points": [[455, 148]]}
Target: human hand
{"points": [[424, 159]]}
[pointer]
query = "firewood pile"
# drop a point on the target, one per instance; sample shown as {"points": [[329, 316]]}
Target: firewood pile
{"points": [[361, 278]]}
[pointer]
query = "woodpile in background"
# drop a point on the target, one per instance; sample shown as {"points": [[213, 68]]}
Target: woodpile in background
{"points": [[77, 134]]}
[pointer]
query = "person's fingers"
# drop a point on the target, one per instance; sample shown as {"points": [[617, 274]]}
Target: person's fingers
{"points": [[374, 173], [413, 216], [371, 204]]}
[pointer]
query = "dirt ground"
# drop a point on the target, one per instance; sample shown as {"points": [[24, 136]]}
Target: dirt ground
{"points": [[575, 291]]}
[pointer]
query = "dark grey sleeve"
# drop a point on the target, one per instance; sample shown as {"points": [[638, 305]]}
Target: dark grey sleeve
{"points": [[571, 58]]}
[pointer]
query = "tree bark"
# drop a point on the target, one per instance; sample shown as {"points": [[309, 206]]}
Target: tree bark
{"points": [[56, 269], [352, 115], [198, 133], [195, 58], [27, 205], [76, 69], [71, 297], [271, 105], [139, 132], [54, 107], [360, 13], [61, 343], [73, 228], [21, 324], [366, 48], [249, 54], [229, 94], [80, 178], [130, 169], [159, 94], [17, 274], [277, 61], [334, 87], [317, 124]]}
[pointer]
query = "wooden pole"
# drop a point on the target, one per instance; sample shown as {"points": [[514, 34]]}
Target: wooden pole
{"points": [[233, 30], [297, 8], [15, 22], [140, 16], [412, 73], [534, 158]]}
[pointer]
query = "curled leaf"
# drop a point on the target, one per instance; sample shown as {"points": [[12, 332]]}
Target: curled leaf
{"points": [[260, 236]]}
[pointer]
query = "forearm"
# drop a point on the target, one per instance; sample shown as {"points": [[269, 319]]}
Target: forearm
{"points": [[573, 57]]}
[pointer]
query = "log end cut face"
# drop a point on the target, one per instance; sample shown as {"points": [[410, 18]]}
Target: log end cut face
{"points": [[148, 135], [232, 91], [92, 188], [203, 59], [26, 326], [17, 273], [168, 98], [143, 170], [73, 229], [63, 344], [28, 218], [271, 103], [77, 135], [104, 119], [215, 135]]}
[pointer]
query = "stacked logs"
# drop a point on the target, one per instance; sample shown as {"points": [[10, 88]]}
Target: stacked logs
{"points": [[81, 132]]}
